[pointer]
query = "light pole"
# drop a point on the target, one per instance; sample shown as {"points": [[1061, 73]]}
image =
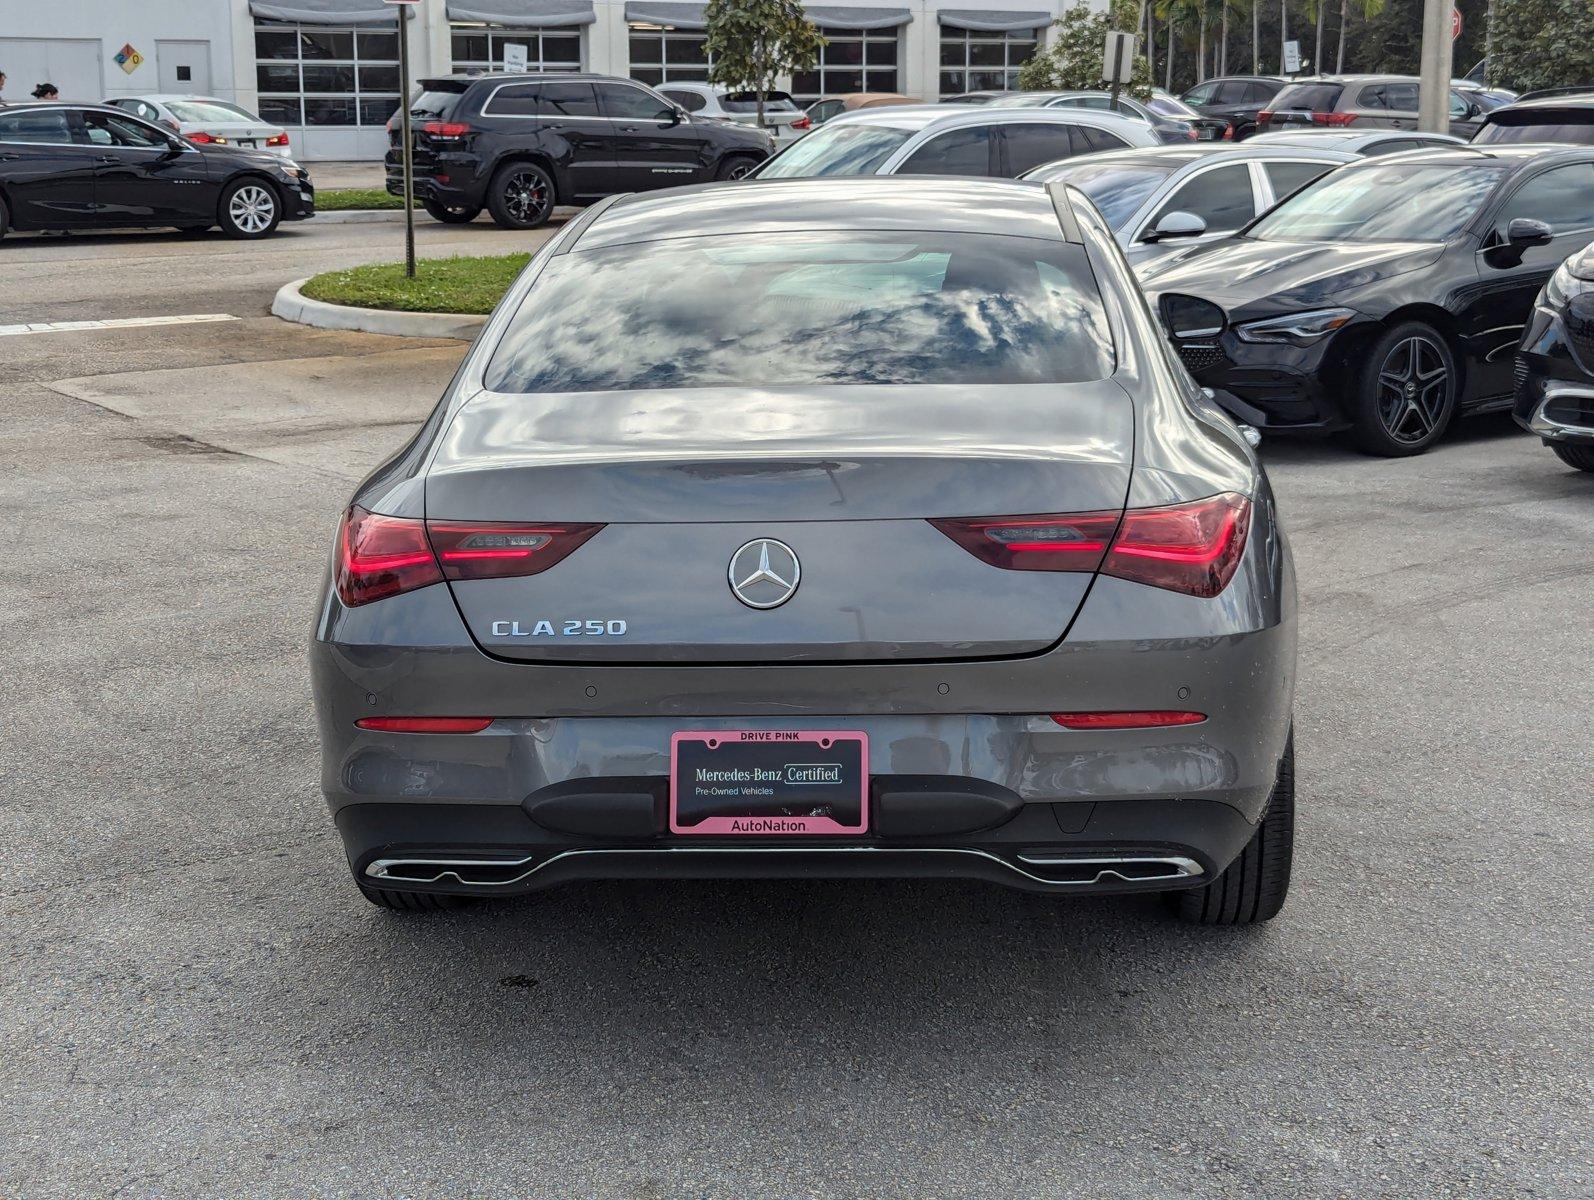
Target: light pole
{"points": [[1433, 100]]}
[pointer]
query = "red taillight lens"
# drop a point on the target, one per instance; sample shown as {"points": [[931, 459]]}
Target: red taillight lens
{"points": [[1332, 118], [1228, 133], [425, 724], [471, 550], [207, 139], [1191, 134], [1055, 542], [1153, 719], [1263, 117], [445, 131], [382, 556], [802, 123], [277, 139], [1193, 548]]}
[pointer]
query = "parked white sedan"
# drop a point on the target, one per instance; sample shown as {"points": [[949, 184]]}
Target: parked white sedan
{"points": [[204, 119], [783, 119]]}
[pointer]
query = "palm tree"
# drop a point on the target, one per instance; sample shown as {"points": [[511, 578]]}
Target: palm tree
{"points": [[1256, 37], [1314, 12], [1370, 9]]}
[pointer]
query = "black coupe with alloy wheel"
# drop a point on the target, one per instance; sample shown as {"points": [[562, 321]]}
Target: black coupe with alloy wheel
{"points": [[1386, 298], [517, 145], [1555, 365]]}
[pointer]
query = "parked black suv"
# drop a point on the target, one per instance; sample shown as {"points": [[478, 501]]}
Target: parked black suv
{"points": [[1236, 98], [517, 145]]}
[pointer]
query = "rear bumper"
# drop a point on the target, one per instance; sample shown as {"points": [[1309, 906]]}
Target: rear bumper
{"points": [[1085, 847]]}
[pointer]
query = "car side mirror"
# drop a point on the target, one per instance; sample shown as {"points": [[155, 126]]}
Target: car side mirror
{"points": [[1190, 318], [174, 146], [1523, 232], [676, 116], [1175, 225]]}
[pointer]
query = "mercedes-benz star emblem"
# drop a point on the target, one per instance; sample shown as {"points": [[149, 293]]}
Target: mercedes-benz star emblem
{"points": [[764, 573]]}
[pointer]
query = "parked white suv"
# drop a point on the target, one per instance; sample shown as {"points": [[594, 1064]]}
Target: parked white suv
{"points": [[783, 119]]}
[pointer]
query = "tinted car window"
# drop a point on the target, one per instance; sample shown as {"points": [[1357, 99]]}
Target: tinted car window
{"points": [[1222, 198], [113, 129], [1384, 202], [1286, 177], [49, 126], [621, 101], [837, 150], [747, 102], [515, 100], [691, 101], [1257, 92], [1563, 198], [566, 100], [794, 310], [1318, 97], [1401, 97], [1031, 145], [1232, 92], [437, 100], [1575, 126], [1097, 139], [1205, 93], [956, 152], [201, 111], [1372, 97]]}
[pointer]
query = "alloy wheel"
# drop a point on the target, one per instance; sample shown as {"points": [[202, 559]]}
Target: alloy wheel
{"points": [[739, 170], [1413, 390], [526, 197], [252, 208]]}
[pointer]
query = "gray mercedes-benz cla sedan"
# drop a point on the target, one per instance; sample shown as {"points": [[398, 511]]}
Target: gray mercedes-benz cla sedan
{"points": [[817, 528]]}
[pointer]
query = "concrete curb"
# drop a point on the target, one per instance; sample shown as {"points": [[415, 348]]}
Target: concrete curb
{"points": [[358, 216], [292, 305]]}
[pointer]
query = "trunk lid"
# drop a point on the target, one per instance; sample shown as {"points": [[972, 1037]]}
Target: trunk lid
{"points": [[846, 477]]}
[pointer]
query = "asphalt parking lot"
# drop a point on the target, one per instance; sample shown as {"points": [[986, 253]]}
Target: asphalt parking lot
{"points": [[197, 1002]]}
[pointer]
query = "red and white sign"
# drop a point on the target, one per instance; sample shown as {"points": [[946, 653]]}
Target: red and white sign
{"points": [[1455, 22]]}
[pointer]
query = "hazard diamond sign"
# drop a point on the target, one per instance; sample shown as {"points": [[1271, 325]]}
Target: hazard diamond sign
{"points": [[128, 58]]}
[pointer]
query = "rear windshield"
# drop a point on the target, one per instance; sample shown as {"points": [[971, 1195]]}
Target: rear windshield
{"points": [[1314, 97], [838, 149], [747, 102], [1574, 125], [203, 111], [1118, 189], [437, 99], [1170, 107], [808, 309], [1383, 202]]}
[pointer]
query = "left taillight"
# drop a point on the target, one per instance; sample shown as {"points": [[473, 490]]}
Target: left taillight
{"points": [[1193, 548], [802, 122], [381, 556], [446, 131], [277, 139], [207, 139]]}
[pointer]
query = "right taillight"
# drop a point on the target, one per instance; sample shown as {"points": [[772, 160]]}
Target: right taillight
{"points": [[1193, 547], [446, 131], [381, 556], [1263, 117]]}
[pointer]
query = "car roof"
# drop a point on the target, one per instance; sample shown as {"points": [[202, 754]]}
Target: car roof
{"points": [[919, 202], [1575, 100], [1179, 157], [951, 116], [1347, 137], [162, 97], [1515, 154]]}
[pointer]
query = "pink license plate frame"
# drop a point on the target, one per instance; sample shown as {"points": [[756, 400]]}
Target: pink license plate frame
{"points": [[810, 744]]}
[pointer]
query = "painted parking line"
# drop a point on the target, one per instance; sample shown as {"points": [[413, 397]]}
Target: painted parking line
{"points": [[113, 323]]}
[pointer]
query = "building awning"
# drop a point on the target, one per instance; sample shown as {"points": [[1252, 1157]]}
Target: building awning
{"points": [[858, 18], [663, 12], [993, 20], [524, 14], [326, 12]]}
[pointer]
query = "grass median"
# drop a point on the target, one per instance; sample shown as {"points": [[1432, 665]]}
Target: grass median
{"points": [[346, 199], [445, 285]]}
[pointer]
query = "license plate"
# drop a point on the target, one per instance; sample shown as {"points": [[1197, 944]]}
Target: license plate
{"points": [[769, 782], [250, 142], [1206, 135]]}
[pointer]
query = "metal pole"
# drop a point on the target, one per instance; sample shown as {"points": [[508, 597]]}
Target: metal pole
{"points": [[1433, 98], [404, 128]]}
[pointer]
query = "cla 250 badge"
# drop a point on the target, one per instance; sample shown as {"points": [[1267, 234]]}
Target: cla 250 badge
{"points": [[577, 628]]}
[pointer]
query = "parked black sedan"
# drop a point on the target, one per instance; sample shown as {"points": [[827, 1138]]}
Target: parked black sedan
{"points": [[88, 166], [1385, 298], [1555, 366], [1237, 99]]}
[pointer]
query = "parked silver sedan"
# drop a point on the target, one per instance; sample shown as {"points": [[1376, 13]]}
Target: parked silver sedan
{"points": [[1160, 199], [207, 121]]}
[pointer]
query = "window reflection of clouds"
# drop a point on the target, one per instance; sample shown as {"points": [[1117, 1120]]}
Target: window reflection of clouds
{"points": [[794, 310]]}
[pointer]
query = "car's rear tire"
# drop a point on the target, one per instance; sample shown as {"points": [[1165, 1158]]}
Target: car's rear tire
{"points": [[1253, 888], [249, 208], [401, 901], [735, 166], [520, 196], [451, 216], [1406, 391], [1581, 457]]}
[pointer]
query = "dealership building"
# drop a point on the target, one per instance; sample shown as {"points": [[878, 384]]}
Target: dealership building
{"points": [[328, 71]]}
